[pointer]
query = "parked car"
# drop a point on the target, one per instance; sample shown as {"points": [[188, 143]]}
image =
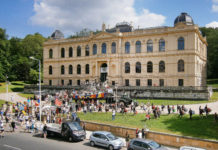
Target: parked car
{"points": [[190, 148], [106, 139], [144, 144]]}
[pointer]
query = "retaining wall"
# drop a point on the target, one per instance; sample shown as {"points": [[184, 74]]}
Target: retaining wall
{"points": [[162, 138]]}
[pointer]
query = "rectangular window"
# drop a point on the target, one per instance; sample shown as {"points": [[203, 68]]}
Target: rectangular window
{"points": [[137, 82], [78, 82], [62, 82], [181, 82], [50, 82], [70, 82], [127, 82], [149, 82], [113, 83], [161, 82]]}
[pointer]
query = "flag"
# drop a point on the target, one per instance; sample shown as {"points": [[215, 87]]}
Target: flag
{"points": [[57, 102]]}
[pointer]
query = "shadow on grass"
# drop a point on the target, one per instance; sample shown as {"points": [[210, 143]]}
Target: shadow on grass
{"points": [[205, 128], [212, 81], [17, 83], [17, 89]]}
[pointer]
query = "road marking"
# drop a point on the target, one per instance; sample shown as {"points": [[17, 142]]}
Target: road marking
{"points": [[12, 147]]}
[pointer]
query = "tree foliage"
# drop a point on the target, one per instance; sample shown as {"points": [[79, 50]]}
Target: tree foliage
{"points": [[212, 51], [14, 57]]}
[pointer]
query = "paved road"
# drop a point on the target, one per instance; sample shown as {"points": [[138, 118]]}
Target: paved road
{"points": [[25, 141], [12, 97]]}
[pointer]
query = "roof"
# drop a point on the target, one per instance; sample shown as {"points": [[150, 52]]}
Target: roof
{"points": [[142, 140], [102, 132], [184, 18], [57, 35], [122, 27]]}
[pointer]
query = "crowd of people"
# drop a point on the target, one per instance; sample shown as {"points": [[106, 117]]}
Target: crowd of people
{"points": [[60, 105]]}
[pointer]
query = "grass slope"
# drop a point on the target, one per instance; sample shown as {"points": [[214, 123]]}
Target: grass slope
{"points": [[204, 128]]}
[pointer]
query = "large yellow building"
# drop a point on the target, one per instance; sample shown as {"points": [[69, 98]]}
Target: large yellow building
{"points": [[158, 56]]}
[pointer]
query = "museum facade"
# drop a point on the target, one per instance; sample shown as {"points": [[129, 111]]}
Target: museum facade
{"points": [[158, 56]]}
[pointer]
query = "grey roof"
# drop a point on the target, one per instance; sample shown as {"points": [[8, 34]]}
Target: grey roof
{"points": [[123, 27], [57, 35], [102, 132], [142, 140], [184, 18]]}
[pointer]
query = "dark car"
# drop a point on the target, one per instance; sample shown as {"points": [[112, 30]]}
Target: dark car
{"points": [[72, 131], [144, 144]]}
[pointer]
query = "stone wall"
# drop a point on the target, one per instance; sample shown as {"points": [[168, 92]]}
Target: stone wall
{"points": [[140, 92], [162, 138]]}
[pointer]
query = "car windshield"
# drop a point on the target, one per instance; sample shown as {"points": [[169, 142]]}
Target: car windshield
{"points": [[154, 144], [111, 137], [75, 126]]}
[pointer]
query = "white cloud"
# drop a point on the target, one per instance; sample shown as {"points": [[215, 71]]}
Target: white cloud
{"points": [[215, 1], [213, 24], [74, 15], [215, 8]]}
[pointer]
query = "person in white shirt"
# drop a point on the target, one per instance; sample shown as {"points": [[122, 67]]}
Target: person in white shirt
{"points": [[1, 129], [113, 114]]}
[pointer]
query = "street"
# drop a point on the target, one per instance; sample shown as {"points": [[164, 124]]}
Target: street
{"points": [[26, 141]]}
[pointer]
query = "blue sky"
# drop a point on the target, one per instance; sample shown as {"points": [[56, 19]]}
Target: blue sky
{"points": [[22, 17]]}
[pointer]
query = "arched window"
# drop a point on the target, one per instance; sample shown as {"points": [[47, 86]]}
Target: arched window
{"points": [[103, 48], [161, 66], [70, 69], [127, 47], [127, 67], [50, 70], [149, 67], [87, 68], [138, 46], [87, 50], [181, 66], [138, 67], [78, 51], [62, 69], [113, 48], [50, 53], [62, 52], [70, 52], [94, 51], [161, 45], [78, 69], [181, 43], [149, 46]]}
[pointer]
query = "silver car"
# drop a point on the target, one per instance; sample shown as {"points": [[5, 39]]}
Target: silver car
{"points": [[144, 144], [106, 139]]}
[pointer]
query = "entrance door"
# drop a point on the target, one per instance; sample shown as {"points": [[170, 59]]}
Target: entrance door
{"points": [[103, 72]]}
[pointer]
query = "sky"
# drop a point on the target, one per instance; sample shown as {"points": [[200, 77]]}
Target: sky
{"points": [[22, 17]]}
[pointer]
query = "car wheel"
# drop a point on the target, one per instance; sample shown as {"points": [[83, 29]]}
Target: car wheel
{"points": [[92, 143], [110, 147], [70, 139]]}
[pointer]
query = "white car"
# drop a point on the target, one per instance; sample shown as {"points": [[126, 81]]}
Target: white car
{"points": [[190, 148]]}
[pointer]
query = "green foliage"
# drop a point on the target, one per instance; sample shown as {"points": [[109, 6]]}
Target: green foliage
{"points": [[14, 57], [205, 128], [33, 76], [212, 51]]}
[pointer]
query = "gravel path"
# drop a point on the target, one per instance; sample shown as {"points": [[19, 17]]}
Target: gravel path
{"points": [[12, 97]]}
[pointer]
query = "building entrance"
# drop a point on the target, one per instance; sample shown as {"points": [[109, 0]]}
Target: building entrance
{"points": [[103, 70]]}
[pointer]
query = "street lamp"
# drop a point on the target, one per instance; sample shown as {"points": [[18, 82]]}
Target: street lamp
{"points": [[40, 111], [7, 87], [116, 86]]}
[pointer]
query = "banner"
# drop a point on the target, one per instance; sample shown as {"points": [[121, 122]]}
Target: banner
{"points": [[57, 102]]}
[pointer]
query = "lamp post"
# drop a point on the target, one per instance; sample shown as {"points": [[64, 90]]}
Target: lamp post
{"points": [[7, 87], [40, 111], [116, 95]]}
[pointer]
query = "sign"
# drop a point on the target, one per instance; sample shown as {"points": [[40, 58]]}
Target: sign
{"points": [[103, 69]]}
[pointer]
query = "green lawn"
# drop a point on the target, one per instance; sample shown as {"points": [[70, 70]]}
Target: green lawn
{"points": [[2, 102], [26, 95], [212, 82], [15, 86], [204, 128]]}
